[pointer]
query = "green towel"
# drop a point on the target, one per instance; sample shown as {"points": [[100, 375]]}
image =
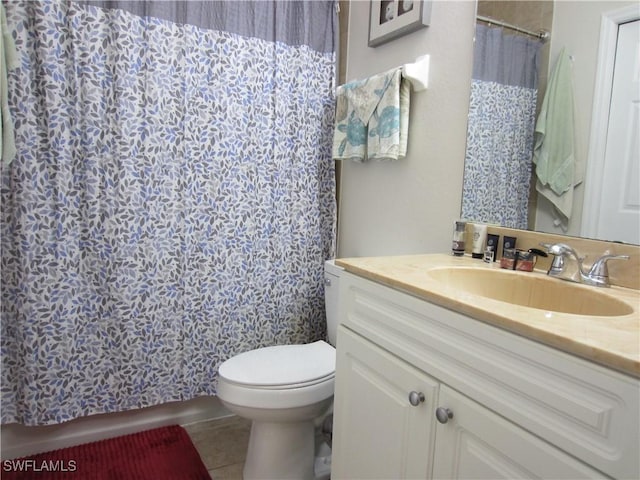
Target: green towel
{"points": [[8, 60], [554, 144]]}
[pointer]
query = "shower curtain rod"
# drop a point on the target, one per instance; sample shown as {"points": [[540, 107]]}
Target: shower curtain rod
{"points": [[542, 34]]}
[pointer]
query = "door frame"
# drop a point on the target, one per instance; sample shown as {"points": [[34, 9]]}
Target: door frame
{"points": [[600, 115]]}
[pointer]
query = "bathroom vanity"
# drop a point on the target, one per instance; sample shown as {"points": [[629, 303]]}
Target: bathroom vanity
{"points": [[435, 381]]}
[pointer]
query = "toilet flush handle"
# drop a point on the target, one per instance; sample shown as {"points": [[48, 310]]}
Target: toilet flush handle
{"points": [[327, 282]]}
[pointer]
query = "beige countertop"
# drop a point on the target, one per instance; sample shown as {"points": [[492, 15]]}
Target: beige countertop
{"points": [[612, 341]]}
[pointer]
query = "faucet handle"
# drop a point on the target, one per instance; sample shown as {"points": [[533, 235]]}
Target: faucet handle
{"points": [[559, 252], [545, 245], [557, 264], [599, 269]]}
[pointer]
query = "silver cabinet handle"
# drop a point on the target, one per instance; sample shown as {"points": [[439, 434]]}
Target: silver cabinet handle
{"points": [[416, 398], [443, 414]]}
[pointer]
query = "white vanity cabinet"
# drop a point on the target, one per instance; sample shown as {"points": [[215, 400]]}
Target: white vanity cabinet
{"points": [[518, 409], [478, 443], [381, 434]]}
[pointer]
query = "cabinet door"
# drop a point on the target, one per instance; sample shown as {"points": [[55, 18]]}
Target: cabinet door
{"points": [[478, 443], [378, 433]]}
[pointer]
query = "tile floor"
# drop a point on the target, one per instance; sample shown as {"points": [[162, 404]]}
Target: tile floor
{"points": [[222, 444]]}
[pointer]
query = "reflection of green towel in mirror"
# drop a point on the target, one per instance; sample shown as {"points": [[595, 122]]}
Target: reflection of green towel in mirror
{"points": [[553, 153]]}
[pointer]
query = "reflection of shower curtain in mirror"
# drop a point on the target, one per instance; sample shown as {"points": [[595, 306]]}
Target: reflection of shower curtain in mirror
{"points": [[501, 127]]}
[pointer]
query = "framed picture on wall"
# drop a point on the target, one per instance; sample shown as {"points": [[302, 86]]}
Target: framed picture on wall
{"points": [[389, 19]]}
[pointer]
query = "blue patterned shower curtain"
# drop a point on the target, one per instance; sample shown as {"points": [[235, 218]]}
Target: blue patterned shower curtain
{"points": [[172, 200], [500, 129]]}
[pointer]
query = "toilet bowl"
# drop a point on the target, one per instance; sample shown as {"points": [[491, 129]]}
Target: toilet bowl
{"points": [[285, 391]]}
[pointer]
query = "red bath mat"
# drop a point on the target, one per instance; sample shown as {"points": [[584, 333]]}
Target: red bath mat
{"points": [[160, 454]]}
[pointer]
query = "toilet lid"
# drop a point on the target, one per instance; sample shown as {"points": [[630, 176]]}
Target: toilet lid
{"points": [[281, 365]]}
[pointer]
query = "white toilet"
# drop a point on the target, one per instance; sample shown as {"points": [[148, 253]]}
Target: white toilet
{"points": [[285, 391]]}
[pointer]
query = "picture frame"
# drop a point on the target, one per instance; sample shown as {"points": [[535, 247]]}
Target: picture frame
{"points": [[390, 19]]}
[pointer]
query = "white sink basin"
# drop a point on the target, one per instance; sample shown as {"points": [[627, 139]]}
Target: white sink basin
{"points": [[531, 290]]}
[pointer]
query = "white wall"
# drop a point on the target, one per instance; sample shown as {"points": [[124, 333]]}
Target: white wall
{"points": [[409, 206], [576, 26]]}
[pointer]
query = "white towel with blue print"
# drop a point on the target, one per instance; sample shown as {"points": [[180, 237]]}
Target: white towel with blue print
{"points": [[372, 118]]}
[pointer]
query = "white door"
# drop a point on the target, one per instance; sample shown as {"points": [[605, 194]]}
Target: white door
{"points": [[378, 433], [619, 216], [479, 444]]}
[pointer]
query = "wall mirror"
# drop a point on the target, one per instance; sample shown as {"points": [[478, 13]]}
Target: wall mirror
{"points": [[578, 28]]}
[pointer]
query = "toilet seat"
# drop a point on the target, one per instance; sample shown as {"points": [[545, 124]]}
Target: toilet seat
{"points": [[286, 386], [280, 377], [281, 366]]}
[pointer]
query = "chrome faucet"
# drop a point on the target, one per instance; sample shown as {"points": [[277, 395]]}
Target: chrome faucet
{"points": [[568, 265]]}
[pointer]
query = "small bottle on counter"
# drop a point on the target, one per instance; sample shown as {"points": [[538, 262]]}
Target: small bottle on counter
{"points": [[489, 254], [458, 244], [509, 258], [479, 240], [492, 241], [508, 244]]}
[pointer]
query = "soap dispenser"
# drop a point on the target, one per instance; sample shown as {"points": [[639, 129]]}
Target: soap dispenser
{"points": [[458, 244]]}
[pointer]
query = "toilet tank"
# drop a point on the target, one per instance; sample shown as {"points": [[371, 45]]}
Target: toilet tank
{"points": [[332, 275]]}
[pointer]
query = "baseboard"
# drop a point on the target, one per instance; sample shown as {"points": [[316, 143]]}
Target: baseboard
{"points": [[18, 441]]}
